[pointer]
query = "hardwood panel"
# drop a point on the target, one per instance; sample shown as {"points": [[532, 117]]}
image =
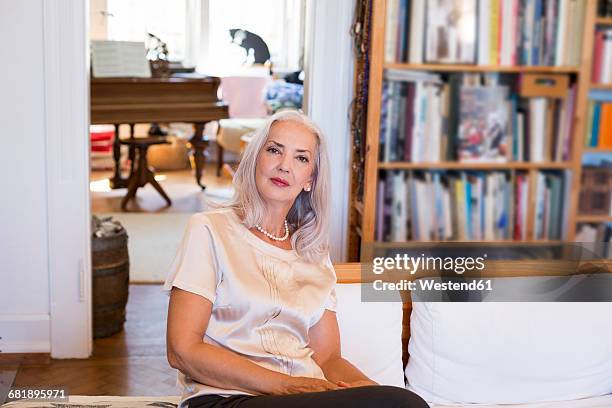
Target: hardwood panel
{"points": [[130, 363]]}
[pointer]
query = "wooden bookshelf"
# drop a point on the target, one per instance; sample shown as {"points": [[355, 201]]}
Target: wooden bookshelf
{"points": [[366, 208], [593, 218], [596, 150], [473, 166], [603, 20], [500, 243], [605, 87], [481, 68]]}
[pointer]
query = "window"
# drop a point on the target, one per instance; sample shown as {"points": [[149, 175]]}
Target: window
{"points": [[131, 20], [278, 22], [197, 30]]}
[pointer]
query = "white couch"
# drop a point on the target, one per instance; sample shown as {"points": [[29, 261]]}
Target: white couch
{"points": [[486, 355]]}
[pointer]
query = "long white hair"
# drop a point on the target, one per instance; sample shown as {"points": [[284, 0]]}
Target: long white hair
{"points": [[309, 214]]}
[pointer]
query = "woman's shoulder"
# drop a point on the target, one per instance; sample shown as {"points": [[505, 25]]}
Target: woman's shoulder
{"points": [[214, 219]]}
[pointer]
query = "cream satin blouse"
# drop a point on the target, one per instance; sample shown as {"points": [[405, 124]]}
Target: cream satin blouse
{"points": [[264, 298]]}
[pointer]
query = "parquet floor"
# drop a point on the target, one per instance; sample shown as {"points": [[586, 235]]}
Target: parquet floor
{"points": [[180, 185], [130, 363]]}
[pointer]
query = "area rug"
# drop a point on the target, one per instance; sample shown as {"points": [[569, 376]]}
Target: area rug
{"points": [[100, 402], [7, 376], [152, 242]]}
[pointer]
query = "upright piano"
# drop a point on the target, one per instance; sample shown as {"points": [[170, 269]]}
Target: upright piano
{"points": [[145, 100]]}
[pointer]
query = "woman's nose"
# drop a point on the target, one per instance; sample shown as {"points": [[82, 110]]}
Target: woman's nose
{"points": [[285, 164]]}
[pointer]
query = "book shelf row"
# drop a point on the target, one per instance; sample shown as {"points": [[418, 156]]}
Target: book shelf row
{"points": [[470, 206], [471, 118], [486, 32]]}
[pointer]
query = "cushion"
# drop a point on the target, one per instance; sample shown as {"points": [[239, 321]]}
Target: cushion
{"points": [[371, 335], [230, 131], [510, 353]]}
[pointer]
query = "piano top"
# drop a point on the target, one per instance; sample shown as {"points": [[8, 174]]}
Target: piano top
{"points": [[144, 100], [209, 79]]}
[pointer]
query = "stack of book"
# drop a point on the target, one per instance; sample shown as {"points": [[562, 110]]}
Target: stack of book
{"points": [[466, 118], [550, 196], [544, 128], [412, 124], [599, 120], [486, 32], [602, 57], [463, 206]]}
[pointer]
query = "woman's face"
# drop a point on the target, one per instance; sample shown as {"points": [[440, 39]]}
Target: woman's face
{"points": [[286, 162]]}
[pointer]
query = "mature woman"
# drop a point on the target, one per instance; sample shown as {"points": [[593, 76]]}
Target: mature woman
{"points": [[251, 320]]}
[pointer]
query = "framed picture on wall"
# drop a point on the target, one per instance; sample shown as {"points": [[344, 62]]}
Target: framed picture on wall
{"points": [[451, 31]]}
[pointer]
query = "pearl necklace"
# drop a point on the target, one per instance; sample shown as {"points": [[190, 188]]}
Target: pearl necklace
{"points": [[272, 236]]}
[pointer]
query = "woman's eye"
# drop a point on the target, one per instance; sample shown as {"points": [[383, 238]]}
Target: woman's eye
{"points": [[272, 149], [303, 159]]}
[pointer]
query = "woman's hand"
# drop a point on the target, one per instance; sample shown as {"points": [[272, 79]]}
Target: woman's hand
{"points": [[361, 383], [296, 385]]}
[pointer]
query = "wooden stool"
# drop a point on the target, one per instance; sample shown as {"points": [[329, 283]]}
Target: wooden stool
{"points": [[142, 173]]}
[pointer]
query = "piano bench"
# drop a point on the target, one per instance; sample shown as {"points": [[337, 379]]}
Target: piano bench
{"points": [[142, 173]]}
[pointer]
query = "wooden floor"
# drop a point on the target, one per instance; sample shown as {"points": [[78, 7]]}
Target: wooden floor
{"points": [[180, 185], [130, 363]]}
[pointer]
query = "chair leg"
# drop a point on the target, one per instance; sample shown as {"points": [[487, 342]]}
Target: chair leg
{"points": [[199, 146], [155, 184], [131, 193], [219, 159], [132, 151]]}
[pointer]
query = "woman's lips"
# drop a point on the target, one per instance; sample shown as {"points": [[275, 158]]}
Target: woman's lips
{"points": [[279, 182]]}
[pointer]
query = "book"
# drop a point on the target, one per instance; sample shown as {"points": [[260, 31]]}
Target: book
{"points": [[605, 126], [483, 128], [451, 31], [391, 30], [417, 28]]}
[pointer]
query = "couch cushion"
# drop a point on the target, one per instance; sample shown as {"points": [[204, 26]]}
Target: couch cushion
{"points": [[371, 335], [510, 353], [231, 130]]}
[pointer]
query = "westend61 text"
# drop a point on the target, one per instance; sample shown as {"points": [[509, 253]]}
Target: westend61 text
{"points": [[431, 284]]}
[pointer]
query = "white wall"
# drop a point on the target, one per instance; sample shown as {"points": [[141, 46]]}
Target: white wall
{"points": [[97, 20], [328, 91], [23, 233], [44, 209]]}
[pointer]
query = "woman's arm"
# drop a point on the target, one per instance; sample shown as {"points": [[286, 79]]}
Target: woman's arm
{"points": [[325, 342], [188, 317]]}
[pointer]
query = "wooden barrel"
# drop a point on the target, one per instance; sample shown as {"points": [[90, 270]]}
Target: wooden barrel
{"points": [[110, 280]]}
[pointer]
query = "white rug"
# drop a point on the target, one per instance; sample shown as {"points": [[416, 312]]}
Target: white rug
{"points": [[152, 242]]}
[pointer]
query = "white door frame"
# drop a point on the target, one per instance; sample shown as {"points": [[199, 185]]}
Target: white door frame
{"points": [[66, 88]]}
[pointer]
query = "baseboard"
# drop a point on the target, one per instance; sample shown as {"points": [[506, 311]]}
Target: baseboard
{"points": [[143, 282], [25, 358], [28, 333]]}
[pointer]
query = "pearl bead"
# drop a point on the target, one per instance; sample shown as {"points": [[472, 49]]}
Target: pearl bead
{"points": [[272, 236]]}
